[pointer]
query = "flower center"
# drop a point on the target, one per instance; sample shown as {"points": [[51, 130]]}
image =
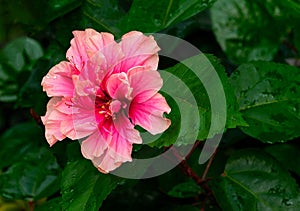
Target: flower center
{"points": [[102, 107]]}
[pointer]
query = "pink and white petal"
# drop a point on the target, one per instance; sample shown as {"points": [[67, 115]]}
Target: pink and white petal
{"points": [[51, 120], [125, 129], [54, 101], [117, 86], [83, 87], [86, 43], [117, 153], [105, 163], [139, 50], [119, 146], [52, 132], [93, 146], [149, 114], [83, 114], [58, 81], [142, 79]]}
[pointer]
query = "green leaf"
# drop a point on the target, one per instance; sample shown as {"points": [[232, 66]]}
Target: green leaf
{"points": [[53, 204], [185, 190], [292, 7], [166, 13], [269, 99], [253, 180], [85, 188], [31, 94], [245, 30], [109, 15], [17, 59], [17, 52], [202, 83], [287, 155], [34, 176], [19, 139], [58, 8]]}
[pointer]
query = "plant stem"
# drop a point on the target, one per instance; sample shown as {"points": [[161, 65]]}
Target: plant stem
{"points": [[208, 165], [31, 205], [36, 117]]}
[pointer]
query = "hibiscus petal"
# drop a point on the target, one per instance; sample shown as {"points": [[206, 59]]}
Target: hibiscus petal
{"points": [[83, 114], [118, 152], [93, 146], [149, 114], [52, 132], [107, 150], [139, 50], [105, 163], [58, 81], [86, 43], [66, 119], [142, 79], [117, 86], [126, 129]]}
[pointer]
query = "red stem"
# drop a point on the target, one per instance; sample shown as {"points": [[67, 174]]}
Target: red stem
{"points": [[31, 205]]}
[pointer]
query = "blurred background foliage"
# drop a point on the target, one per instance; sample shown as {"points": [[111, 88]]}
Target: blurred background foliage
{"points": [[255, 47]]}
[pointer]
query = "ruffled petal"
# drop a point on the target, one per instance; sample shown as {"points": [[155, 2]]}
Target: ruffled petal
{"points": [[64, 119], [93, 146], [143, 80], [58, 81], [86, 43], [126, 129], [118, 87], [107, 149], [139, 50], [149, 114], [83, 113], [118, 152], [52, 122]]}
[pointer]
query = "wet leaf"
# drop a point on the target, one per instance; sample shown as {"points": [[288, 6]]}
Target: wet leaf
{"points": [[85, 188], [112, 17], [269, 99], [246, 30], [20, 139], [34, 176], [253, 180], [287, 155]]}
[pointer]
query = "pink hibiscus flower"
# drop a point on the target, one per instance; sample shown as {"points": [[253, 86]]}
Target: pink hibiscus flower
{"points": [[102, 92]]}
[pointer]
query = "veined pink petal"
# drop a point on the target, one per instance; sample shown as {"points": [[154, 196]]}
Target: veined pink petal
{"points": [[106, 163], [52, 133], [83, 114], [86, 43], [126, 129], [107, 150], [149, 114], [142, 79], [117, 153], [58, 81], [87, 82], [139, 50], [63, 120], [118, 87], [94, 146]]}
